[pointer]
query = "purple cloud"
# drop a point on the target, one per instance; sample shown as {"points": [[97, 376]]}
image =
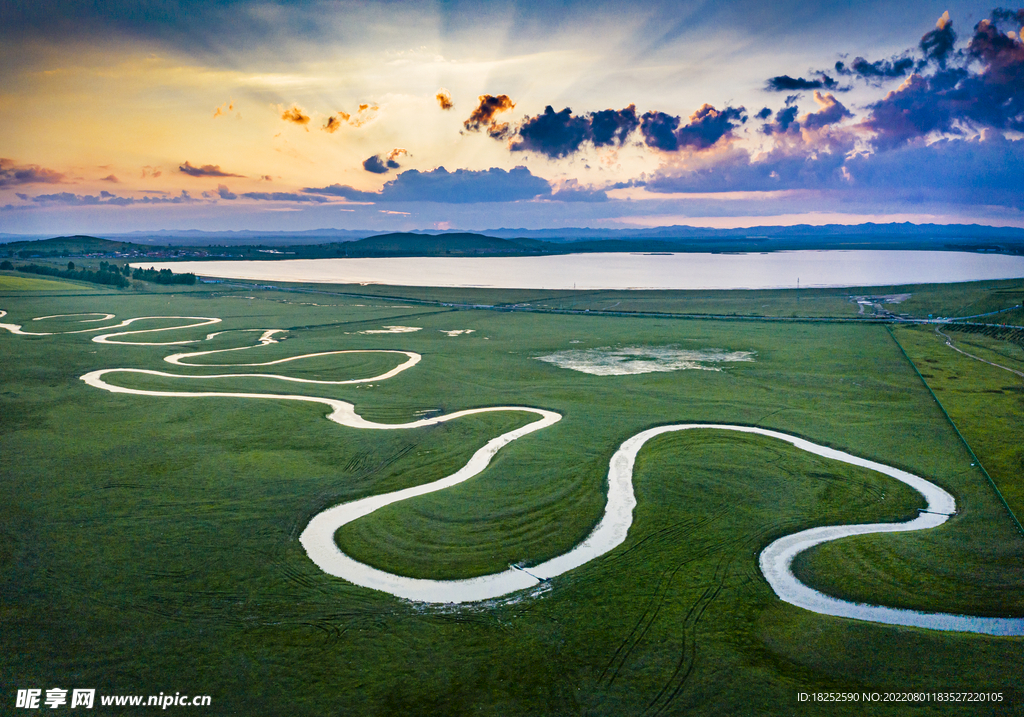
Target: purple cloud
{"points": [[785, 83], [12, 174], [706, 127], [463, 186]]}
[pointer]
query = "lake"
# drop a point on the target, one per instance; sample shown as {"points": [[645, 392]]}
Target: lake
{"points": [[775, 270]]}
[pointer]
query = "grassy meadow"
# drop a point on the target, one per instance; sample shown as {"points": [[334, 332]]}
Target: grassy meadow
{"points": [[921, 300], [150, 544]]}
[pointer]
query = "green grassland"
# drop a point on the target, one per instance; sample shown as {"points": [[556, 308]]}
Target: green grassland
{"points": [[150, 544], [925, 300], [985, 402], [12, 282]]}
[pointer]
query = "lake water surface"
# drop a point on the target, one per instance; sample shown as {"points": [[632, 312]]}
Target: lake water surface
{"points": [[776, 270]]}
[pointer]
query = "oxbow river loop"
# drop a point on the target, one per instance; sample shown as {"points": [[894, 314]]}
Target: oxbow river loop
{"points": [[317, 538]]}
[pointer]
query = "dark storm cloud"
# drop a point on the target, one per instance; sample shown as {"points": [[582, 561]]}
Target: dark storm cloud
{"points": [[1000, 15], [832, 111], [483, 116], [937, 45], [376, 164], [555, 134], [1001, 52], [785, 83], [949, 90], [878, 70], [971, 94], [207, 170], [785, 121], [12, 174], [659, 130], [611, 127], [463, 186], [764, 114], [384, 163], [559, 134], [707, 125], [983, 89], [379, 164]]}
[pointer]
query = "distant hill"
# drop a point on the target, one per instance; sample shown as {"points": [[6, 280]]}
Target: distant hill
{"points": [[460, 244], [244, 237], [65, 246], [974, 238], [681, 232], [868, 232]]}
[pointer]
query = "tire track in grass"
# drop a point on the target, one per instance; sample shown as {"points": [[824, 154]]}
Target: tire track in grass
{"points": [[688, 649], [992, 483], [950, 344], [647, 619], [643, 624]]}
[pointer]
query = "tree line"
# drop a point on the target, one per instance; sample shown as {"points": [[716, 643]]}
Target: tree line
{"points": [[107, 274]]}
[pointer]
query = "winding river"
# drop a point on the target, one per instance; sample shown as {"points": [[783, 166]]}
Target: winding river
{"points": [[317, 539]]}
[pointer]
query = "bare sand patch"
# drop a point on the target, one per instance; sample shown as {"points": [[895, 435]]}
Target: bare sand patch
{"points": [[630, 360], [456, 332]]}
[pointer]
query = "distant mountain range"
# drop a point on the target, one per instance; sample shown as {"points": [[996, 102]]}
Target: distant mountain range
{"points": [[191, 237], [323, 243], [976, 231]]}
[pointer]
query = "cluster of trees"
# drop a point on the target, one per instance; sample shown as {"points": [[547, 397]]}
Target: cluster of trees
{"points": [[108, 274], [164, 276]]}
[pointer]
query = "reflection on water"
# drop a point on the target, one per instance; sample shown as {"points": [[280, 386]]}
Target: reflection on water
{"points": [[776, 270]]}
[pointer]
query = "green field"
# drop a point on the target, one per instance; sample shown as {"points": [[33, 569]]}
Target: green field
{"points": [[11, 282], [150, 544], [923, 300]]}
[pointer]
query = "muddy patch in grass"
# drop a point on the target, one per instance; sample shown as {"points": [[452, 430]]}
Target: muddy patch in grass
{"points": [[627, 360]]}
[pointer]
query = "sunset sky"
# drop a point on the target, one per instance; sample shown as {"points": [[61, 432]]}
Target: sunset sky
{"points": [[413, 115]]}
